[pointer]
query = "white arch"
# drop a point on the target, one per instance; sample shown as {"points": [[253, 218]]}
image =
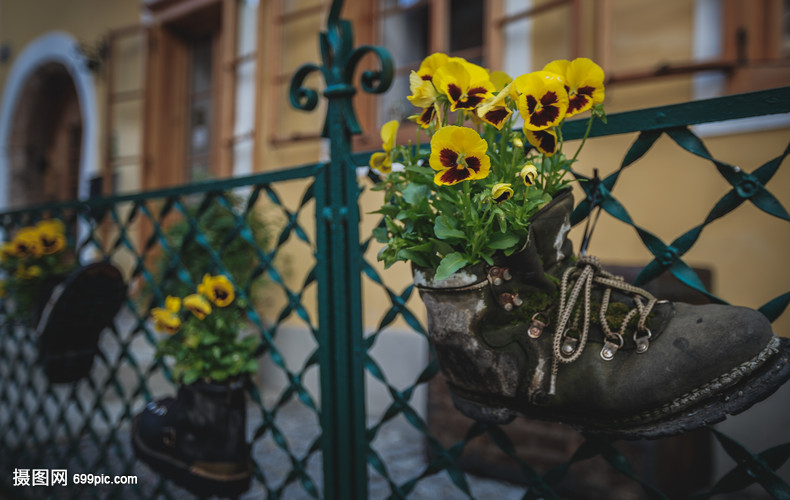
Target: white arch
{"points": [[59, 47]]}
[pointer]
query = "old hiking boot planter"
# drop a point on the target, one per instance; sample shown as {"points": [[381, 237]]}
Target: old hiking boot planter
{"points": [[197, 439], [545, 335], [72, 312]]}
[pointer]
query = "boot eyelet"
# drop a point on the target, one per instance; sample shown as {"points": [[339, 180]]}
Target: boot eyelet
{"points": [[536, 326], [643, 342], [509, 301], [569, 343], [610, 348], [498, 275]]}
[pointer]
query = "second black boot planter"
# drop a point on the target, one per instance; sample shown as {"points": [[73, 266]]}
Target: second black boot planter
{"points": [[71, 316], [547, 336], [197, 439]]}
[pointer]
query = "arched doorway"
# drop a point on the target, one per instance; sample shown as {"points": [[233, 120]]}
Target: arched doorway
{"points": [[48, 124], [45, 139]]}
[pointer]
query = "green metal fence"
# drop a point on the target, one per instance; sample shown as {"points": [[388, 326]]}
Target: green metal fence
{"points": [[311, 433]]}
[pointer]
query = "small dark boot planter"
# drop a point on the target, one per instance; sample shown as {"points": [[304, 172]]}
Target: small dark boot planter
{"points": [[197, 440], [547, 336], [72, 314]]}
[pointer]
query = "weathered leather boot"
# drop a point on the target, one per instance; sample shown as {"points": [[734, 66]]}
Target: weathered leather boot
{"points": [[197, 439], [545, 335], [71, 317]]}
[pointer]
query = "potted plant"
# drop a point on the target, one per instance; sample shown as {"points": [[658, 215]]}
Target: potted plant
{"points": [[519, 325], [68, 304], [197, 439]]}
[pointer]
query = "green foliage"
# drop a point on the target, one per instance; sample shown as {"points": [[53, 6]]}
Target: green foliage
{"points": [[447, 227], [211, 348], [214, 347], [218, 229]]}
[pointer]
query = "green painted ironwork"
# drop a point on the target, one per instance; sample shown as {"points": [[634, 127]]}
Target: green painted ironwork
{"points": [[318, 440], [339, 262]]}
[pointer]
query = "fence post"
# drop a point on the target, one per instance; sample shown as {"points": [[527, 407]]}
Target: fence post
{"points": [[338, 268]]}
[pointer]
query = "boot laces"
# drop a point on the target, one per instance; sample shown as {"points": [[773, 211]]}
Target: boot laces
{"points": [[567, 348]]}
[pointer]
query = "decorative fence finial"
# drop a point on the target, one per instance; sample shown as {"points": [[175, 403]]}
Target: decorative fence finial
{"points": [[340, 60]]}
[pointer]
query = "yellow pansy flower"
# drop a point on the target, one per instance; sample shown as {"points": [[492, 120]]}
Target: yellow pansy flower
{"points": [[430, 64], [26, 243], [382, 161], [217, 289], [173, 304], [197, 305], [466, 85], [494, 110], [501, 192], [51, 235], [458, 154], [542, 99], [423, 95], [528, 174], [544, 141], [583, 81], [165, 320]]}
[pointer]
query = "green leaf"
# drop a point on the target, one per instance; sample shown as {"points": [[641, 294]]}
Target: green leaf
{"points": [[381, 235], [444, 230], [450, 264], [503, 241], [414, 193], [190, 376], [251, 366], [410, 255]]}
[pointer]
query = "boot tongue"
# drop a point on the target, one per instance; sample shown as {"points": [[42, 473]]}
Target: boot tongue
{"points": [[550, 228]]}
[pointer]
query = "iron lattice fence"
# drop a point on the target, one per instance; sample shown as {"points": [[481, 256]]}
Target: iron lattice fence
{"points": [[310, 423]]}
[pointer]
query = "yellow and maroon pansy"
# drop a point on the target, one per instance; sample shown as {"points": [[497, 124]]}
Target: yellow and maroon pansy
{"points": [[218, 289], [430, 64], [544, 141], [197, 305], [583, 81], [382, 161], [423, 95], [466, 85], [165, 321], [26, 243], [458, 154], [51, 235], [494, 110], [166, 318], [501, 192], [542, 99], [528, 174]]}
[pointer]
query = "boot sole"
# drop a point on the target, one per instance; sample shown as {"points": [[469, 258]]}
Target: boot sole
{"points": [[193, 478], [751, 389]]}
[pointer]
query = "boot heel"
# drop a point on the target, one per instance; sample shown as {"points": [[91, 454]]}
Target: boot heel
{"points": [[477, 411]]}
